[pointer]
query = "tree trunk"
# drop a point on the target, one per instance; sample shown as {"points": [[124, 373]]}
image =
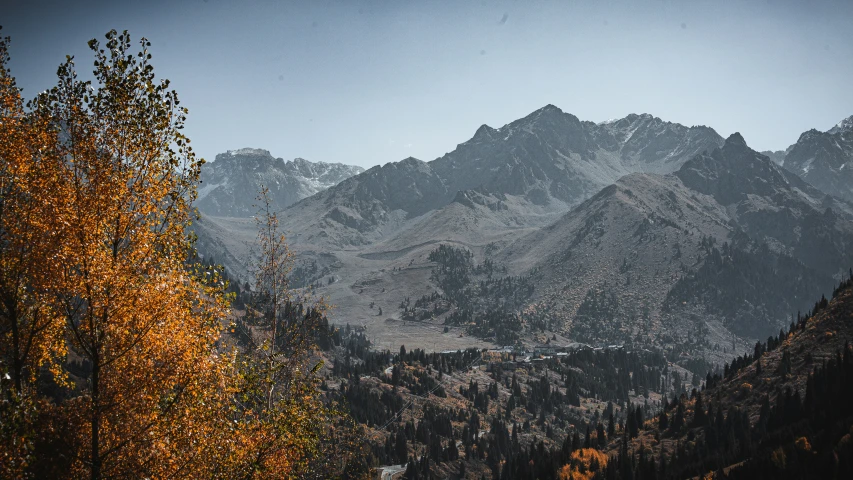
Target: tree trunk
{"points": [[96, 417]]}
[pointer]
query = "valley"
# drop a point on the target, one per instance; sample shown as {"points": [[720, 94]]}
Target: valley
{"points": [[581, 283]]}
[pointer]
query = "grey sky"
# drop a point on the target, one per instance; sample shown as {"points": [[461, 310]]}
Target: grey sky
{"points": [[373, 82]]}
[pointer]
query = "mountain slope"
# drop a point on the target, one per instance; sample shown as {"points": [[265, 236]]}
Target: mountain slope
{"points": [[773, 206], [364, 208], [230, 184], [782, 411], [730, 243]]}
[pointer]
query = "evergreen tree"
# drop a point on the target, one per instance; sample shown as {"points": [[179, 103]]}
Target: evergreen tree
{"points": [[699, 417]]}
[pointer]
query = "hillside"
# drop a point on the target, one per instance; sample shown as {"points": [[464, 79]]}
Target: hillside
{"points": [[788, 414], [497, 413], [782, 412]]}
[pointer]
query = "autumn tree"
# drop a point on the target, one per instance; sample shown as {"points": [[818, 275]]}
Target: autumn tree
{"points": [[112, 358], [30, 330], [585, 464], [143, 322], [27, 235]]}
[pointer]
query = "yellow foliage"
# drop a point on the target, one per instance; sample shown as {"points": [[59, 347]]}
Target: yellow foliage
{"points": [[778, 458], [803, 444], [584, 465], [30, 327], [145, 322]]}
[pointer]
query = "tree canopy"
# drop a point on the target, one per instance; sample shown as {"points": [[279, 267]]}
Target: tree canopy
{"points": [[113, 358]]}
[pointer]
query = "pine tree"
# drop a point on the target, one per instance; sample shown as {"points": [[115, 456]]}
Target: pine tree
{"points": [[663, 420], [678, 420], [699, 417], [600, 435], [632, 426]]}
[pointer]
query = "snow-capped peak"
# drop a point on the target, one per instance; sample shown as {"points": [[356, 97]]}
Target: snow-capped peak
{"points": [[845, 125], [230, 184]]}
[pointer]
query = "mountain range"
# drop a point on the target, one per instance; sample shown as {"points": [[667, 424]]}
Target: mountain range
{"points": [[547, 162], [633, 230]]}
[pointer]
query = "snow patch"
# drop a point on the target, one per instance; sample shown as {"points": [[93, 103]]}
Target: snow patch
{"points": [[250, 151]]}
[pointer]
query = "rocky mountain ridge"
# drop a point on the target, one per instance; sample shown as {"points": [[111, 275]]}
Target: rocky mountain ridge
{"points": [[549, 160], [825, 159], [229, 185]]}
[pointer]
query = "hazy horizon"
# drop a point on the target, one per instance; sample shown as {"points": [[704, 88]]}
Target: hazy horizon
{"points": [[368, 83]]}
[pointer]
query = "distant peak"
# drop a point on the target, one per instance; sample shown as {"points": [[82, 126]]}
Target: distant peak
{"points": [[630, 119], [484, 132], [250, 151], [547, 110], [302, 163], [845, 125], [550, 108], [548, 114], [634, 116], [735, 139]]}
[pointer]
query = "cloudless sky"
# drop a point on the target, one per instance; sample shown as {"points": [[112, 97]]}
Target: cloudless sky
{"points": [[369, 82]]}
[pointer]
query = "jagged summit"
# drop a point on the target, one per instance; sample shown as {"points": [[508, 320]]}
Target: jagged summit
{"points": [[811, 133], [644, 116], [736, 139], [249, 151], [551, 108], [735, 171], [228, 185], [484, 133], [825, 159], [302, 161], [844, 126], [549, 113]]}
